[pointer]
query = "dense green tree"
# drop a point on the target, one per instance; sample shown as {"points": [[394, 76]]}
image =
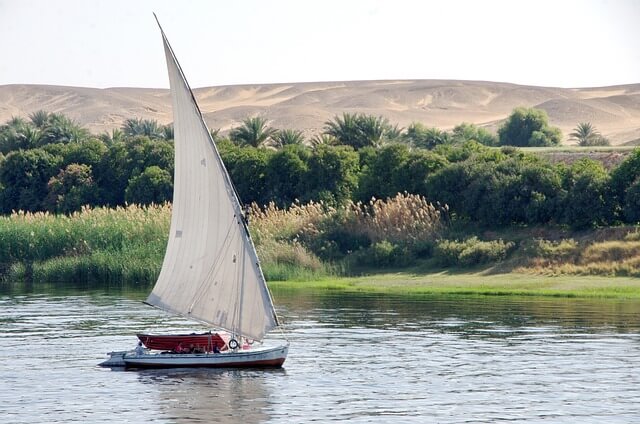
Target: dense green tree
{"points": [[528, 127], [248, 169], [286, 176], [395, 169], [467, 132], [448, 185], [24, 176], [585, 206], [153, 185], [461, 152], [125, 160], [503, 190], [254, 131], [71, 189], [112, 175], [144, 152], [382, 177], [89, 152], [631, 207], [622, 178], [419, 165], [332, 174]]}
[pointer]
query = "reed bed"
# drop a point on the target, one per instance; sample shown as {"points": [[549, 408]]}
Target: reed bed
{"points": [[303, 242], [389, 232], [404, 219], [123, 244]]}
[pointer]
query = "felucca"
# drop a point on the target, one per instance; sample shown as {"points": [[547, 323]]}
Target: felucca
{"points": [[210, 271]]}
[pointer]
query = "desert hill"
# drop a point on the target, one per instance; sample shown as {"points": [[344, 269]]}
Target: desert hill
{"points": [[614, 111]]}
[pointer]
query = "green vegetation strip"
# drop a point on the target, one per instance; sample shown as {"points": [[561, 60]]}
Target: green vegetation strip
{"points": [[475, 284]]}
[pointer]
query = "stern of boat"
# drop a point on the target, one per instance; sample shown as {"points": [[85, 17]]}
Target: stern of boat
{"points": [[115, 360]]}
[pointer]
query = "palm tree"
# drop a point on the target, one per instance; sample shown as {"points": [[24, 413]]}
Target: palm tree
{"points": [[31, 136], [12, 135], [360, 130], [167, 132], [344, 130], [135, 126], [373, 128], [40, 118], [60, 129], [253, 132], [394, 133], [587, 135], [286, 137], [424, 137], [115, 136], [323, 139]]}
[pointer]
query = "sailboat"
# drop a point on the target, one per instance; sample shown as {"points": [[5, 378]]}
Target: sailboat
{"points": [[211, 272]]}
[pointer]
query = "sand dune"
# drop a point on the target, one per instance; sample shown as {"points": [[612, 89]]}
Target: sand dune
{"points": [[615, 111]]}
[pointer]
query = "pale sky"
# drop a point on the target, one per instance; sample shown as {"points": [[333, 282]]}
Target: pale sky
{"points": [[116, 43]]}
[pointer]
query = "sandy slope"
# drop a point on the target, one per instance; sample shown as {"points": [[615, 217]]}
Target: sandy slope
{"points": [[615, 111]]}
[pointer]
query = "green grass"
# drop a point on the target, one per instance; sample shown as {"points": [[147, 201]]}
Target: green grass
{"points": [[477, 283]]}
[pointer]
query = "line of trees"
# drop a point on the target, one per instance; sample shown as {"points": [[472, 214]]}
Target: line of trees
{"points": [[50, 163]]}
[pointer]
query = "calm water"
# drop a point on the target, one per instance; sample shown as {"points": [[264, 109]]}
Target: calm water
{"points": [[353, 358]]}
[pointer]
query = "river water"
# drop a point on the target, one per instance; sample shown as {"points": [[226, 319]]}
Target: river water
{"points": [[356, 358]]}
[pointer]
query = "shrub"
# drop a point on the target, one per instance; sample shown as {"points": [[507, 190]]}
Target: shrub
{"points": [[471, 252], [528, 127], [546, 249], [384, 254]]}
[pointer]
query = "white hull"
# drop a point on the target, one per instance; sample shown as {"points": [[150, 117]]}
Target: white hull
{"points": [[258, 358]]}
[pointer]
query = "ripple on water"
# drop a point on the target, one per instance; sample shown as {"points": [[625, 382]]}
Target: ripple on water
{"points": [[359, 358]]}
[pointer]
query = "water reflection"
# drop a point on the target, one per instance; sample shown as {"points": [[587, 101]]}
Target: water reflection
{"points": [[470, 315], [357, 358], [211, 395]]}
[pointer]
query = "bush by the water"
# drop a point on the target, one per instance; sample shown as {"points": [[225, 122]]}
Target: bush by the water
{"points": [[471, 252]]}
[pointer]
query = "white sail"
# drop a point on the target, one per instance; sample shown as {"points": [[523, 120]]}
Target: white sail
{"points": [[210, 271]]}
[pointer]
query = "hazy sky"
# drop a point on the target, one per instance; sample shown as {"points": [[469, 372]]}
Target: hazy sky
{"points": [[114, 43]]}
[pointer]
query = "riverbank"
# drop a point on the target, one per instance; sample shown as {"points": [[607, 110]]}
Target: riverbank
{"points": [[476, 283], [302, 248]]}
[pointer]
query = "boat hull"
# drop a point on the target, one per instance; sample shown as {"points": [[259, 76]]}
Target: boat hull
{"points": [[254, 358]]}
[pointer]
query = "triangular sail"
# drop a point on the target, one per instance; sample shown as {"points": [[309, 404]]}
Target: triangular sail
{"points": [[210, 271]]}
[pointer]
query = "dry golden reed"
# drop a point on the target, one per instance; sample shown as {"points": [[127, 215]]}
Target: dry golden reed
{"points": [[405, 219]]}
